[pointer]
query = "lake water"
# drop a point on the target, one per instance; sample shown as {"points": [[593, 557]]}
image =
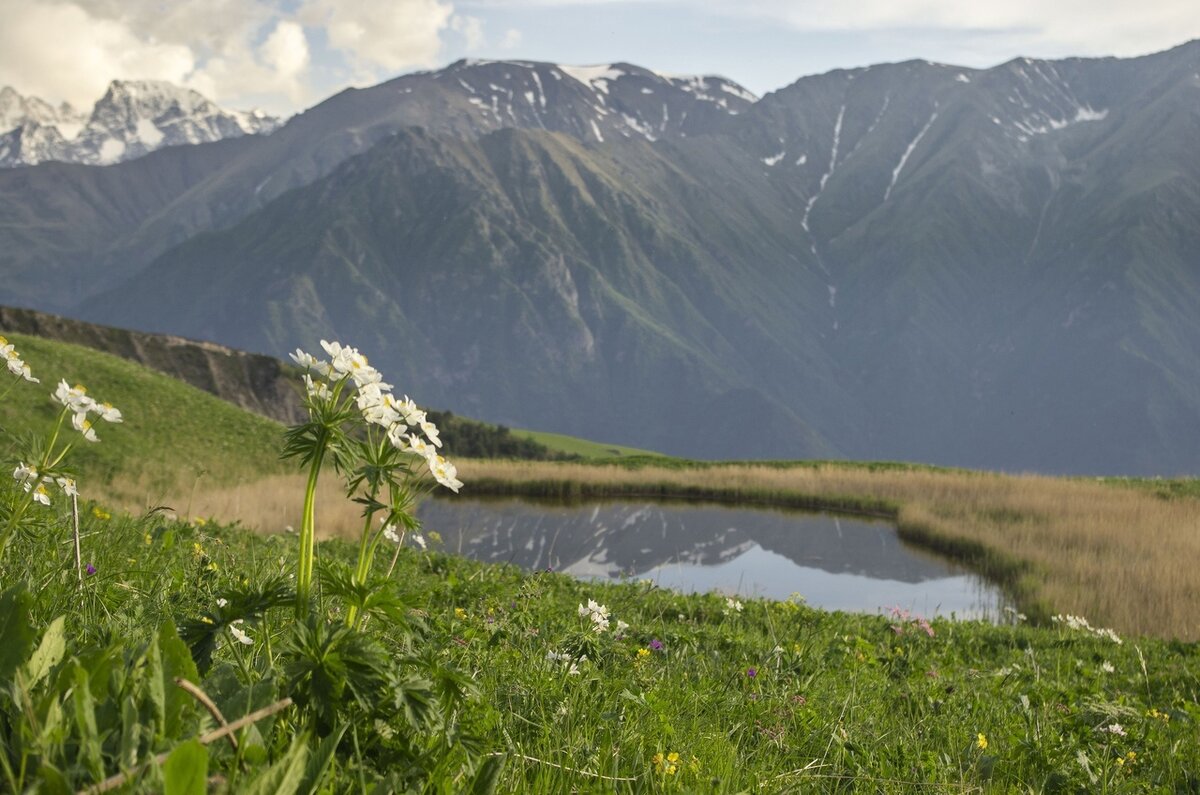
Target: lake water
{"points": [[834, 562]]}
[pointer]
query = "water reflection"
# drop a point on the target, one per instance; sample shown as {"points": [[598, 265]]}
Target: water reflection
{"points": [[833, 562]]}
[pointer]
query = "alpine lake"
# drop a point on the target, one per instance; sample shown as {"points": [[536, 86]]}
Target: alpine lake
{"points": [[831, 561]]}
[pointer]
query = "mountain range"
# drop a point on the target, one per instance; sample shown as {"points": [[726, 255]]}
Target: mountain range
{"points": [[133, 118], [992, 268]]}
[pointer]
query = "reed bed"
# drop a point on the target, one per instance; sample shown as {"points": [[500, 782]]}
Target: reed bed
{"points": [[1122, 557]]}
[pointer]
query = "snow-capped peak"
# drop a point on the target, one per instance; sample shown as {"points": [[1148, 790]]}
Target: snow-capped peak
{"points": [[133, 117]]}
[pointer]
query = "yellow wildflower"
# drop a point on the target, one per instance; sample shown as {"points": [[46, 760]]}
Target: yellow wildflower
{"points": [[643, 654], [460, 613], [981, 741]]}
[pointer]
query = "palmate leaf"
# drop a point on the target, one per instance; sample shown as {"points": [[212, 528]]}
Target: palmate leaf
{"points": [[247, 602], [324, 663]]}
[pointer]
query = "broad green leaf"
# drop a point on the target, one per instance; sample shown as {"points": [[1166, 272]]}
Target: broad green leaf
{"points": [[186, 770], [285, 776], [85, 723], [318, 763], [488, 777], [176, 663], [49, 652], [51, 781], [16, 632], [157, 689]]}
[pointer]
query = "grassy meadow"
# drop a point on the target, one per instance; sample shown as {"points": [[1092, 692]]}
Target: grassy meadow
{"points": [[174, 655]]}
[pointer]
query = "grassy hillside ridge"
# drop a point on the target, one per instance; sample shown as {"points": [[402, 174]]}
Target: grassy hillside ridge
{"points": [[258, 383], [172, 433]]}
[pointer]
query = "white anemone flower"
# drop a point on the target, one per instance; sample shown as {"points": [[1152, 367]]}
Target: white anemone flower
{"points": [[108, 413], [318, 390], [431, 433], [68, 486], [308, 361], [41, 495], [239, 634], [421, 447], [73, 397], [389, 532], [81, 423], [24, 474], [445, 473], [419, 540], [19, 368], [398, 436]]}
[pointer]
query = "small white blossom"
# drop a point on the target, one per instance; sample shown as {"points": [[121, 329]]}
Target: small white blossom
{"points": [[389, 532], [82, 424], [1107, 667], [73, 397], [419, 540], [596, 613], [240, 635], [222, 602], [733, 605], [68, 486], [23, 474], [445, 473], [1114, 728], [108, 413], [431, 433], [40, 495]]}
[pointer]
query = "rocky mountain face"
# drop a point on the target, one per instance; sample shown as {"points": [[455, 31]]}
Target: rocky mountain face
{"points": [[991, 268], [133, 117]]}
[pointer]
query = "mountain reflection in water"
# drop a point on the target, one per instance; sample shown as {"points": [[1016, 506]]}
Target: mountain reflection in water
{"points": [[834, 562]]}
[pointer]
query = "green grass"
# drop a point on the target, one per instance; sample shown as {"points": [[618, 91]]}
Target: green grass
{"points": [[571, 445], [837, 702], [170, 430]]}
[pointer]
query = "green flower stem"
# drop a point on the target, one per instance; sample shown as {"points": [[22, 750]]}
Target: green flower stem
{"points": [[19, 512], [304, 574], [366, 551]]}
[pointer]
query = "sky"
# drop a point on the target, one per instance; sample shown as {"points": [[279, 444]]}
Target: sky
{"points": [[285, 55]]}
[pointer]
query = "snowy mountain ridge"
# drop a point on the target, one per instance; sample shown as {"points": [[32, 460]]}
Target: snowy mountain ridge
{"points": [[133, 118]]}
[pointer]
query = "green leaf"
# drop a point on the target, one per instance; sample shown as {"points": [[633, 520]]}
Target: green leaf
{"points": [[51, 781], [177, 663], [156, 689], [488, 776], [16, 630], [318, 763], [49, 652], [186, 770], [85, 723], [285, 776]]}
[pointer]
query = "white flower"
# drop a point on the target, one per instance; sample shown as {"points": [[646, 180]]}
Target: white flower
{"points": [[733, 605], [419, 540], [40, 495], [1107, 667], [398, 436], [421, 447], [445, 473], [222, 602], [1114, 728], [82, 424], [308, 361], [68, 486], [23, 474], [409, 411], [621, 627], [20, 369], [239, 635], [107, 412], [431, 433], [596, 613], [73, 397], [389, 532], [318, 390]]}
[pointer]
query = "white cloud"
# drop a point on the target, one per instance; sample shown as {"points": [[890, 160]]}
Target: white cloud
{"points": [[387, 34], [471, 29], [236, 52], [511, 40], [61, 52]]}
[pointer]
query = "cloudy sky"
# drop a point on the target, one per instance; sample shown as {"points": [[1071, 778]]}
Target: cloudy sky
{"points": [[284, 55]]}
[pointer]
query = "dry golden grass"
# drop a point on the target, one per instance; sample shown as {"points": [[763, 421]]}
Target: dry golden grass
{"points": [[1122, 557]]}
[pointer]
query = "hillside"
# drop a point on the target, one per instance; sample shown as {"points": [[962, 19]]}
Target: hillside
{"points": [[984, 268]]}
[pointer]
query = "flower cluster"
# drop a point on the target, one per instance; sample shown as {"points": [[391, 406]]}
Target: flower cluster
{"points": [[77, 401], [907, 619], [1081, 624], [596, 613], [408, 428], [568, 661], [13, 360], [732, 606], [27, 477]]}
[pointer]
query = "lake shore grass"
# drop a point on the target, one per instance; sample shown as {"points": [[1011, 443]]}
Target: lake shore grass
{"points": [[1120, 553]]}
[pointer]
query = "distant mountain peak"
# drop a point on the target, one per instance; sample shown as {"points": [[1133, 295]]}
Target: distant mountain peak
{"points": [[133, 118]]}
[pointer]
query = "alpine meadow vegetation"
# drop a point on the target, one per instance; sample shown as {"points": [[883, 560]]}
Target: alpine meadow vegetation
{"points": [[153, 653]]}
